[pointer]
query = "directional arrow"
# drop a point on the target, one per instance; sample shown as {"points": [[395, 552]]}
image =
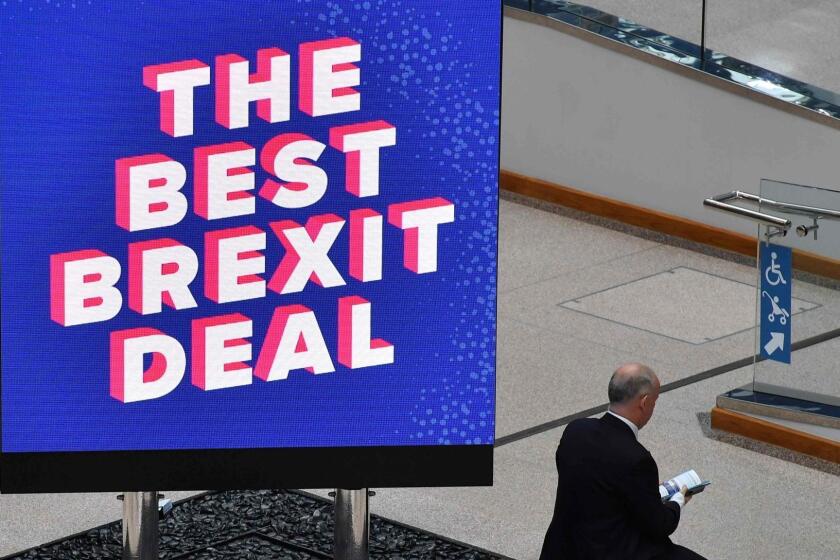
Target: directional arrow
{"points": [[777, 342]]}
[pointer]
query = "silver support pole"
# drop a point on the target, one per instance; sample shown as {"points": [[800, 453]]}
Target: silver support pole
{"points": [[352, 524], [703, 35], [140, 526]]}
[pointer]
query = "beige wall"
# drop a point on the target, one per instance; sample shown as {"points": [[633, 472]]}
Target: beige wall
{"points": [[593, 118]]}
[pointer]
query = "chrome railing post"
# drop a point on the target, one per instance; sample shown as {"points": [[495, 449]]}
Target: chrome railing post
{"points": [[703, 35]]}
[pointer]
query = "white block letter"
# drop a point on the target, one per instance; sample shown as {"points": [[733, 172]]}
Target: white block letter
{"points": [[306, 254], [236, 88], [361, 143], [130, 381], [233, 263], [420, 220], [148, 192], [306, 184], [175, 82], [355, 347], [222, 180], [294, 341], [327, 76], [160, 271], [219, 352], [82, 287], [365, 245]]}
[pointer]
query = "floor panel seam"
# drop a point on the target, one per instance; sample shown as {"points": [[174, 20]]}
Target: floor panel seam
{"points": [[678, 384], [579, 269]]}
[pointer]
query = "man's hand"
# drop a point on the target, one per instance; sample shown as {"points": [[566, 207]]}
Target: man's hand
{"points": [[686, 495], [680, 497]]}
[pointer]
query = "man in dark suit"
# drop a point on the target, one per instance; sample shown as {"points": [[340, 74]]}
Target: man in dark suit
{"points": [[608, 505]]}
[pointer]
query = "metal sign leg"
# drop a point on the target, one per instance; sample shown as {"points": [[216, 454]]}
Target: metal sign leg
{"points": [[140, 526], [352, 524]]}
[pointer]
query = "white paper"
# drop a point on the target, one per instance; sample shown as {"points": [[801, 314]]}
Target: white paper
{"points": [[689, 479]]}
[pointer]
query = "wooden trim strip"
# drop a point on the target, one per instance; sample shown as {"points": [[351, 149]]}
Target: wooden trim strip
{"points": [[656, 221], [768, 432]]}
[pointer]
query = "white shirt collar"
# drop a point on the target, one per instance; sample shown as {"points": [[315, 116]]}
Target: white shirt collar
{"points": [[626, 421]]}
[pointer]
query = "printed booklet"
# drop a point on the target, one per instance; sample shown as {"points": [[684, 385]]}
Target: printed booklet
{"points": [[689, 479]]}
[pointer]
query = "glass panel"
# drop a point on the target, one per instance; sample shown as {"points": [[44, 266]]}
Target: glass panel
{"points": [[795, 38], [676, 18], [814, 371], [521, 4]]}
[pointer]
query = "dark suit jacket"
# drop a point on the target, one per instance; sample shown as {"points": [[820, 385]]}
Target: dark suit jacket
{"points": [[608, 505]]}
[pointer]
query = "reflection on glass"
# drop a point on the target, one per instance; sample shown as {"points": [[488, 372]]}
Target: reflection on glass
{"points": [[672, 39], [521, 4], [793, 38], [677, 18]]}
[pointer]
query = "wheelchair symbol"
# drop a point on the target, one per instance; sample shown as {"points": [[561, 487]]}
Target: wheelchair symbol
{"points": [[775, 270], [777, 309]]}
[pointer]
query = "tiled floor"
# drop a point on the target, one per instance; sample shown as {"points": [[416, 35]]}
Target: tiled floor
{"points": [[554, 361], [669, 302], [757, 506]]}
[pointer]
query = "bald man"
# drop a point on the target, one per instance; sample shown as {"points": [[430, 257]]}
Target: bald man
{"points": [[608, 505]]}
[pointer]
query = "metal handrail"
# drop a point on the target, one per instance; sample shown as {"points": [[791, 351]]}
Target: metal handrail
{"points": [[756, 83], [812, 211], [720, 202]]}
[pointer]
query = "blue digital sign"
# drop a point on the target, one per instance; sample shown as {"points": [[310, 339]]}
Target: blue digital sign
{"points": [[245, 225]]}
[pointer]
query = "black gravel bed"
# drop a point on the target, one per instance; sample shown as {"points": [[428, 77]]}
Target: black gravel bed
{"points": [[257, 525]]}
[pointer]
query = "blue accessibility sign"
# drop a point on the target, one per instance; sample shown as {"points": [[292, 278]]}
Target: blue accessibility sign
{"points": [[775, 340]]}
